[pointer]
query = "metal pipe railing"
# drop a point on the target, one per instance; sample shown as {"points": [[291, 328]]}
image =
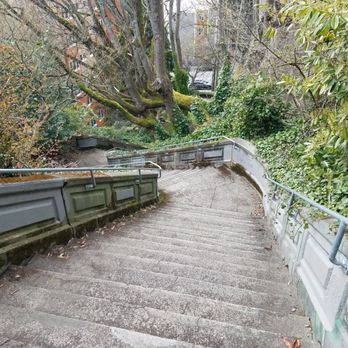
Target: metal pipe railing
{"points": [[121, 167], [343, 221], [169, 146]]}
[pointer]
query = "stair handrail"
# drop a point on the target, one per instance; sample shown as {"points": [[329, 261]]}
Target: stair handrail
{"points": [[139, 166], [343, 220], [167, 147]]}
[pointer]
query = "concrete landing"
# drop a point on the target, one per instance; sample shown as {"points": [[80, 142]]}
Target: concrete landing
{"points": [[202, 270]]}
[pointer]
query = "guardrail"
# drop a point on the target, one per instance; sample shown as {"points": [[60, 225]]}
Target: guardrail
{"points": [[167, 147], [343, 221], [122, 167]]}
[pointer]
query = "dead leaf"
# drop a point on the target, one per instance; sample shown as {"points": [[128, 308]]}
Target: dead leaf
{"points": [[63, 256], [291, 343], [268, 248]]}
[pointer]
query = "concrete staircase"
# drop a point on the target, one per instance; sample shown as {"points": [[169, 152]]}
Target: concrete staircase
{"points": [[200, 271]]}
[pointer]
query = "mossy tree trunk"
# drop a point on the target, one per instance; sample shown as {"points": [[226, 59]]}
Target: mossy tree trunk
{"points": [[119, 51]]}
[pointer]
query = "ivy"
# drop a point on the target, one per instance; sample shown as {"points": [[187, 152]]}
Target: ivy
{"points": [[323, 177], [181, 122], [181, 79], [256, 108], [199, 110], [222, 90]]}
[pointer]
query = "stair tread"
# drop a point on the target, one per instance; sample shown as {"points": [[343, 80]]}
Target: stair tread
{"points": [[170, 325], [133, 270], [166, 300], [189, 260], [53, 330], [187, 249], [197, 235], [254, 232]]}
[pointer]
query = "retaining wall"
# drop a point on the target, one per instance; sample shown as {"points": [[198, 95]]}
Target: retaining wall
{"points": [[34, 215]]}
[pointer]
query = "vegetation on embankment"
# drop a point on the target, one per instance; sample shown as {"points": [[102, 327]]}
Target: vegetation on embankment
{"points": [[300, 149]]}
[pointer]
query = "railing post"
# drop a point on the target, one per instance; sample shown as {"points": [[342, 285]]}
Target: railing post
{"points": [[291, 200], [139, 171], [337, 243], [274, 192], [94, 184]]}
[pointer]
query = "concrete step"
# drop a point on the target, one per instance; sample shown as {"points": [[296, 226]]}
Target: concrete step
{"points": [[235, 265], [150, 235], [227, 248], [176, 174], [180, 213], [6, 342], [166, 324], [255, 232], [207, 236], [242, 237], [246, 232], [178, 207], [211, 284], [180, 178], [124, 241], [167, 301], [198, 223], [51, 330]]}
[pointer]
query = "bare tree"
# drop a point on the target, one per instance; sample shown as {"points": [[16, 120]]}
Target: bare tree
{"points": [[177, 33], [123, 65]]}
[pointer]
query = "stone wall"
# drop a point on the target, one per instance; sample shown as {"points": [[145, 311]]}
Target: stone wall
{"points": [[37, 214]]}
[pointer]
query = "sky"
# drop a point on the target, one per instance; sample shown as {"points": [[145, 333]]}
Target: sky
{"points": [[190, 4]]}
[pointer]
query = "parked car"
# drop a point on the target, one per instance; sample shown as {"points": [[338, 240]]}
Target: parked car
{"points": [[201, 85]]}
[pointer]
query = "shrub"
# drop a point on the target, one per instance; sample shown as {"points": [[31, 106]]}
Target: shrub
{"points": [[222, 90], [181, 79], [181, 122], [199, 110], [132, 134], [257, 110], [307, 164]]}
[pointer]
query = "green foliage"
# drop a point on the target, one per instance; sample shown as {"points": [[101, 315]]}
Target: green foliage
{"points": [[323, 35], [66, 123], [181, 79], [256, 110], [181, 122], [221, 125], [222, 90], [316, 170], [199, 110], [132, 134], [161, 133]]}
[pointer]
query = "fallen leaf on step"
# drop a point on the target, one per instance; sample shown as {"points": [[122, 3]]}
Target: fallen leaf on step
{"points": [[268, 248], [291, 343]]}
